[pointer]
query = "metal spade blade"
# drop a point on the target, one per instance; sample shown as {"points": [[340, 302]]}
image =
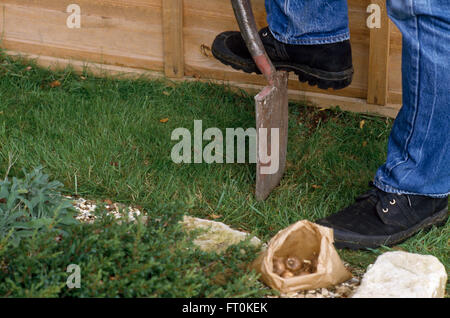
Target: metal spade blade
{"points": [[272, 114]]}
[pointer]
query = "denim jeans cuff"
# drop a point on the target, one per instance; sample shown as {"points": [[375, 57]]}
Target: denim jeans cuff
{"points": [[389, 189], [311, 41]]}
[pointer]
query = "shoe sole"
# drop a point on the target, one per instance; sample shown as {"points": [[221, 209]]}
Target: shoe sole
{"points": [[314, 77], [355, 241]]}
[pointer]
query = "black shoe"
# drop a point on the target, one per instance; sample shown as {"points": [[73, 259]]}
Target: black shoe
{"points": [[324, 65], [380, 218]]}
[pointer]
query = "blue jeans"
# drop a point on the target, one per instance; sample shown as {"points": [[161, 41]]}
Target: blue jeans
{"points": [[418, 158]]}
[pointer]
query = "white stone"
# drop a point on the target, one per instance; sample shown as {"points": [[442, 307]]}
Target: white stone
{"points": [[217, 236], [404, 275]]}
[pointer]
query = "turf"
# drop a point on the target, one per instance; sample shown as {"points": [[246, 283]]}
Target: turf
{"points": [[105, 138]]}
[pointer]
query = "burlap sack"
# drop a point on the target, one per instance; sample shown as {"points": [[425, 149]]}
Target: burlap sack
{"points": [[305, 241]]}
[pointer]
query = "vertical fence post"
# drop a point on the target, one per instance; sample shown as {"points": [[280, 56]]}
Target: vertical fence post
{"points": [[377, 92], [173, 38]]}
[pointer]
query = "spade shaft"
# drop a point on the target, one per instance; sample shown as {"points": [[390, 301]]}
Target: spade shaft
{"points": [[246, 21], [271, 107]]}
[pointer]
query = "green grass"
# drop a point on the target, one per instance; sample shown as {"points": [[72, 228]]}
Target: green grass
{"points": [[103, 138]]}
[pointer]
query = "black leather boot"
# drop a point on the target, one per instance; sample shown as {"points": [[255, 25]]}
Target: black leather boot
{"points": [[324, 65]]}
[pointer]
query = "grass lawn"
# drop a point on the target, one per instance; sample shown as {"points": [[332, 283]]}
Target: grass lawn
{"points": [[103, 139]]}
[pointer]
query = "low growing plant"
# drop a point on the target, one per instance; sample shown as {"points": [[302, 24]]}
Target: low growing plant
{"points": [[155, 258], [33, 204]]}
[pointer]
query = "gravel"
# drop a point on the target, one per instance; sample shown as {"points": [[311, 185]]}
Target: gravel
{"points": [[86, 209], [343, 290]]}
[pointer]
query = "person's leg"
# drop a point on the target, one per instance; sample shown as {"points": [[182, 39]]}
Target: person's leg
{"points": [[308, 21], [307, 37], [418, 160], [411, 189]]}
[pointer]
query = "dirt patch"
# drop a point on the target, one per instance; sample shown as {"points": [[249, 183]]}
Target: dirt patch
{"points": [[312, 117]]}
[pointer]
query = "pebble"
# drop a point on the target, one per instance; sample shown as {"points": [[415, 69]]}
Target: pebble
{"points": [[86, 209], [400, 274]]}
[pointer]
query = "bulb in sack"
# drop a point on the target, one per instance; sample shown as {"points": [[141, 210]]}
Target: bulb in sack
{"points": [[287, 274], [278, 266], [293, 263], [308, 266]]}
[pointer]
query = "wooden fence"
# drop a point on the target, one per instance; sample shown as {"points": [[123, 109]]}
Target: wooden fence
{"points": [[173, 37]]}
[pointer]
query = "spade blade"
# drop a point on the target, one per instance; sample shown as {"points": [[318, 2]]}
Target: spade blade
{"points": [[272, 117]]}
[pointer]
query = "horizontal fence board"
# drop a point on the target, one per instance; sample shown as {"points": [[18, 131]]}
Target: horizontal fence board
{"points": [[107, 34]]}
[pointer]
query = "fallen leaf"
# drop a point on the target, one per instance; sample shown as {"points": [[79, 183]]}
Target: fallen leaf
{"points": [[108, 201], [223, 277], [364, 143], [215, 216], [83, 78], [220, 279], [361, 124], [315, 186], [166, 93], [55, 84], [164, 120], [28, 68]]}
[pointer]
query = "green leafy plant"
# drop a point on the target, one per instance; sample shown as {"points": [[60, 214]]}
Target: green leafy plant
{"points": [[32, 204]]}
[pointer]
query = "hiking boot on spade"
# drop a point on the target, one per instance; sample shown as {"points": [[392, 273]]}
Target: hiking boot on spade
{"points": [[324, 65]]}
